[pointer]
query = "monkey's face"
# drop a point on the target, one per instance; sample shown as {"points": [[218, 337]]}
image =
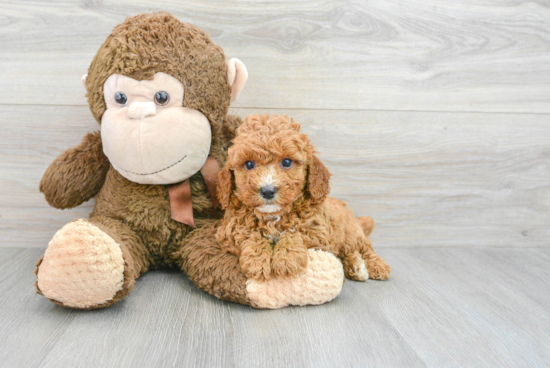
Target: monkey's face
{"points": [[147, 133]]}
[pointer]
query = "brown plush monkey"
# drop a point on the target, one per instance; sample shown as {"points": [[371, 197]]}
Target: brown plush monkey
{"points": [[160, 90]]}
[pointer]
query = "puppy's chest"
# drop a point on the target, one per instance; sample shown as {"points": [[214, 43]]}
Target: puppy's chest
{"points": [[273, 229], [274, 235]]}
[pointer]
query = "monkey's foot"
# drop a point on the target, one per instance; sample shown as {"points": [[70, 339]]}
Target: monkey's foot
{"points": [[83, 267], [321, 282]]}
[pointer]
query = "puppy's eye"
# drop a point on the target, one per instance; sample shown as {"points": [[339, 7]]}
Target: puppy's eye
{"points": [[249, 165], [162, 98], [286, 163], [121, 98]]}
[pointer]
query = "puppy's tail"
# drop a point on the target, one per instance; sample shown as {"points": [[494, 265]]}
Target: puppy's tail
{"points": [[366, 223]]}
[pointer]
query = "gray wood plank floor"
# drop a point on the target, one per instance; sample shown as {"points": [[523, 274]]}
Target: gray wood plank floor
{"points": [[442, 308]]}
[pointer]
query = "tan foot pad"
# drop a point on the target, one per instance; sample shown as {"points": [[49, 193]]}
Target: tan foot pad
{"points": [[322, 282], [82, 267]]}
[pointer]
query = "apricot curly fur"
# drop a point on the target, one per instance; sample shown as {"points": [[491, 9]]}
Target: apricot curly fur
{"points": [[300, 216]]}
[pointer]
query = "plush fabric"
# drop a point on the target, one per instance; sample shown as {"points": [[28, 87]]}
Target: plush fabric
{"points": [[139, 148], [85, 165], [318, 285], [82, 267], [130, 230], [151, 43]]}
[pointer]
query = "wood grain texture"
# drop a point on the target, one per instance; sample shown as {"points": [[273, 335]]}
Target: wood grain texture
{"points": [[428, 179], [442, 307], [482, 305], [430, 55]]}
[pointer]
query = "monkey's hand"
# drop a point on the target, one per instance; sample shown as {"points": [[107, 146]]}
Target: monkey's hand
{"points": [[77, 174]]}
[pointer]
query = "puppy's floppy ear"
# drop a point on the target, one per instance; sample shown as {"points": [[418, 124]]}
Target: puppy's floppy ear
{"points": [[318, 178], [225, 185]]}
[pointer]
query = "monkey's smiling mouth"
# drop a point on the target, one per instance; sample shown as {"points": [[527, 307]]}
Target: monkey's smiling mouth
{"points": [[156, 172]]}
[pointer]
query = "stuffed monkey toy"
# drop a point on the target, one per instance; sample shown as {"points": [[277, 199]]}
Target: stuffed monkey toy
{"points": [[160, 90]]}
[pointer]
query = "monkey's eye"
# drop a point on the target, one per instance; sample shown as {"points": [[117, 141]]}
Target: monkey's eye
{"points": [[162, 98], [249, 165], [286, 163], [121, 98]]}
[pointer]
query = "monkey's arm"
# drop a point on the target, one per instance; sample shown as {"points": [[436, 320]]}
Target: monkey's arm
{"points": [[77, 174], [222, 134], [230, 125]]}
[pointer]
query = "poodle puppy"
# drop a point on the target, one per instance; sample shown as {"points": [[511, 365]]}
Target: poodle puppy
{"points": [[274, 190]]}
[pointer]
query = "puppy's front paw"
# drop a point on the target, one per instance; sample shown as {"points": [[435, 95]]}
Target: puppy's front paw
{"points": [[289, 260], [256, 264]]}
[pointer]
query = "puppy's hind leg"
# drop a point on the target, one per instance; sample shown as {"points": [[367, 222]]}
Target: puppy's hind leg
{"points": [[377, 267], [355, 267]]}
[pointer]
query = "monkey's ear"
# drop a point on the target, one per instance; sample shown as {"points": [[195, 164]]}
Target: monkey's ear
{"points": [[84, 80], [236, 76], [318, 178], [225, 186]]}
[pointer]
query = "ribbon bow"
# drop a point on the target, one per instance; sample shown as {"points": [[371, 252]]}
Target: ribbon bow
{"points": [[181, 201]]}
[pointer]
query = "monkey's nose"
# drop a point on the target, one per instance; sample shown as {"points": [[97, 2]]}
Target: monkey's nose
{"points": [[140, 110], [268, 192]]}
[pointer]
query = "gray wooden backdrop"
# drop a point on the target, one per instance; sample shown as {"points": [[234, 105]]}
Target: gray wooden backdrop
{"points": [[433, 115]]}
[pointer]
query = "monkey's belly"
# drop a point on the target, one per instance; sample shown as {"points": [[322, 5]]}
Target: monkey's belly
{"points": [[146, 210]]}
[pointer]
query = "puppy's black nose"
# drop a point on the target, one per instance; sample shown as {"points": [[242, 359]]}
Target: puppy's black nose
{"points": [[268, 192]]}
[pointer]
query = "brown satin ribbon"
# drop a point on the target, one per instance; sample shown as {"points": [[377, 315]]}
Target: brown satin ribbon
{"points": [[181, 201], [210, 171]]}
